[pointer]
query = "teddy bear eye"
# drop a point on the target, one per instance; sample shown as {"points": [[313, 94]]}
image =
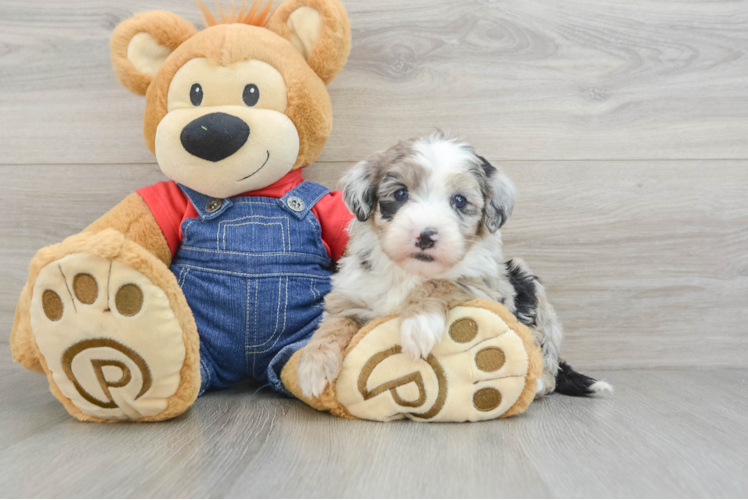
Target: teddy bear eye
{"points": [[251, 94], [196, 94]]}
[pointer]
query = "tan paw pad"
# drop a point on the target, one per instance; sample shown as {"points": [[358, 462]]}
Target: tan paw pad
{"points": [[476, 373], [109, 337]]}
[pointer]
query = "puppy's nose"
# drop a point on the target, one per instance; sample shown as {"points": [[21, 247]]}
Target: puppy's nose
{"points": [[214, 137], [426, 239]]}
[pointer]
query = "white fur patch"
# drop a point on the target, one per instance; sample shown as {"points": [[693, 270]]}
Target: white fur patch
{"points": [[600, 387], [318, 366], [419, 334], [540, 388]]}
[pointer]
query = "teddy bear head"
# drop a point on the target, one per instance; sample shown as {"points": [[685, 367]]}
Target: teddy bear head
{"points": [[238, 105]]}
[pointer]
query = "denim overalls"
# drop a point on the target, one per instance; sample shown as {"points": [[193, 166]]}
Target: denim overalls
{"points": [[255, 273]]}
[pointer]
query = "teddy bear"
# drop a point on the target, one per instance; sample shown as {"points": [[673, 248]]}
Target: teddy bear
{"points": [[219, 274]]}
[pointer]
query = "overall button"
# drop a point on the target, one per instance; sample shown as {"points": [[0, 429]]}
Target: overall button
{"points": [[213, 205], [295, 203]]}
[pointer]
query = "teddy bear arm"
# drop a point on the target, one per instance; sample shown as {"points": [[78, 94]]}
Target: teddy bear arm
{"points": [[134, 219]]}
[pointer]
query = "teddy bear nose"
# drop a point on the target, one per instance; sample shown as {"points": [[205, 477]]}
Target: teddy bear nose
{"points": [[215, 137]]}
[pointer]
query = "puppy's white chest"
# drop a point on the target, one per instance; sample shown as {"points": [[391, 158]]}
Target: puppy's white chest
{"points": [[396, 296]]}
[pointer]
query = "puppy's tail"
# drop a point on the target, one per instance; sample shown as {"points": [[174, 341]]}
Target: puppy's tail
{"points": [[534, 310], [573, 383]]}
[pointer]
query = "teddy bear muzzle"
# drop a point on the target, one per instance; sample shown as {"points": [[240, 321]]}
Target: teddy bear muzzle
{"points": [[215, 136]]}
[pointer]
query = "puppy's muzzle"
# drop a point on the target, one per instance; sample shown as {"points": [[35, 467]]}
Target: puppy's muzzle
{"points": [[427, 239], [215, 137]]}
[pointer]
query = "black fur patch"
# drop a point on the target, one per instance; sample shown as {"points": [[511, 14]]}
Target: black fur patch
{"points": [[389, 208], [365, 262], [361, 209], [489, 169], [572, 383], [495, 214], [500, 216], [526, 300]]}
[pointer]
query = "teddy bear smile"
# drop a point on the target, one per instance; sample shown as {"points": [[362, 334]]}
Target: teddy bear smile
{"points": [[253, 173]]}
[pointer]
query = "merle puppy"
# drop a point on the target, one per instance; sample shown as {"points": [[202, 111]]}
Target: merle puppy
{"points": [[426, 237]]}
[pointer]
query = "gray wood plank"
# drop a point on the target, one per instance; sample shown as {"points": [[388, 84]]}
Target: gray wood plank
{"points": [[646, 262], [537, 79], [677, 433]]}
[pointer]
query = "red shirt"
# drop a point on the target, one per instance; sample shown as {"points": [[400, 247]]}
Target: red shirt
{"points": [[170, 206]]}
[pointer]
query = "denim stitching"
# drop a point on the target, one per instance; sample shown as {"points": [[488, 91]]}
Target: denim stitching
{"points": [[277, 319], [246, 327], [283, 231], [317, 294], [285, 311], [207, 371], [185, 229], [222, 227], [248, 254], [301, 191], [182, 275], [327, 191], [283, 330], [311, 289], [318, 233], [253, 203], [257, 293], [312, 266], [265, 275]]}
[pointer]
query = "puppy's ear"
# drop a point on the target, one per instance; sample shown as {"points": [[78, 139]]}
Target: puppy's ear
{"points": [[359, 189], [141, 44], [500, 193], [320, 31]]}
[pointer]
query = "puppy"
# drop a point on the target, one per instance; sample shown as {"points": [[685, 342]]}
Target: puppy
{"points": [[425, 238]]}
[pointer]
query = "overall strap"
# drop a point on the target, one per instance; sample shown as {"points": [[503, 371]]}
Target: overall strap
{"points": [[300, 200], [206, 206]]}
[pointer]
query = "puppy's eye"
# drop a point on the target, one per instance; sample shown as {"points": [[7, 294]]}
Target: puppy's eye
{"points": [[401, 195], [196, 94], [251, 94], [459, 201]]}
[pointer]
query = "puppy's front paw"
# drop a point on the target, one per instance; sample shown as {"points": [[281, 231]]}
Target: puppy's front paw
{"points": [[318, 366], [419, 334]]}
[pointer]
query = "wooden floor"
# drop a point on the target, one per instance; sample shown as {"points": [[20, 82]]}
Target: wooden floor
{"points": [[678, 433], [624, 125]]}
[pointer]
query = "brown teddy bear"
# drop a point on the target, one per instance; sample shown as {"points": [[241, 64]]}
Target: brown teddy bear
{"points": [[220, 274]]}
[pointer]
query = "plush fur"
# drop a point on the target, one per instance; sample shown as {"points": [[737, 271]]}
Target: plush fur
{"points": [[327, 400], [169, 30], [112, 245], [134, 220], [330, 53], [148, 50], [309, 106], [426, 237], [255, 15]]}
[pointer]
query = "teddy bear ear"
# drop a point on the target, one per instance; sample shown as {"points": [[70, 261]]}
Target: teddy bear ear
{"points": [[320, 31], [141, 44]]}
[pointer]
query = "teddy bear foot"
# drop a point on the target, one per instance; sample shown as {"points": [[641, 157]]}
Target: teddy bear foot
{"points": [[111, 341], [485, 367]]}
